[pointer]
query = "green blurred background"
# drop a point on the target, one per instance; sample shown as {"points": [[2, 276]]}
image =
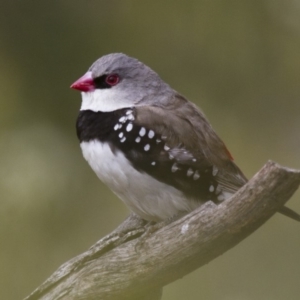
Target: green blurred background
{"points": [[238, 60]]}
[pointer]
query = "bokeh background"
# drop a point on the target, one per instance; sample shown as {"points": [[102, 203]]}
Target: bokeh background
{"points": [[237, 59]]}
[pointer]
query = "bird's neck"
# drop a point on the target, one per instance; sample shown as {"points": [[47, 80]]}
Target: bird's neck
{"points": [[105, 100]]}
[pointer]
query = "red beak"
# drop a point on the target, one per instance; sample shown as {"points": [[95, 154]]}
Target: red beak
{"points": [[84, 83]]}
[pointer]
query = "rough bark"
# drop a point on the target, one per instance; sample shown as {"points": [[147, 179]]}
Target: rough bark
{"points": [[124, 265]]}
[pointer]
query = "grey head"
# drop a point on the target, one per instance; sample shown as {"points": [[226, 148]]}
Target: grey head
{"points": [[116, 81], [132, 72], [122, 64]]}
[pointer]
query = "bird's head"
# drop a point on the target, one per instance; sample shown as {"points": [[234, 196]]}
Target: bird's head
{"points": [[117, 81]]}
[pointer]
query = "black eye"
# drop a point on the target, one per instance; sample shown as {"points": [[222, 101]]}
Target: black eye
{"points": [[112, 79]]}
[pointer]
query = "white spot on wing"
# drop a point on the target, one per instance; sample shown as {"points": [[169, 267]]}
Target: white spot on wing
{"points": [[151, 134], [121, 134], [122, 119], [147, 147], [174, 167], [196, 175], [158, 141], [129, 127], [138, 139], [211, 188], [166, 148], [142, 131], [116, 127], [153, 163], [130, 117], [189, 172], [123, 139]]}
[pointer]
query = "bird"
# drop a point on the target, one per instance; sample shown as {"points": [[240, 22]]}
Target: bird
{"points": [[151, 146]]}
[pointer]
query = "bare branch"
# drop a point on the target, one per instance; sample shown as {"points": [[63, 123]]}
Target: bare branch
{"points": [[116, 268]]}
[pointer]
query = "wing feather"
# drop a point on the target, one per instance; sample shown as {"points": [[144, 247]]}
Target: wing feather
{"points": [[192, 143]]}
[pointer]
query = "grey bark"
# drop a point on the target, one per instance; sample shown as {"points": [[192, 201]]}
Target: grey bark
{"points": [[126, 265]]}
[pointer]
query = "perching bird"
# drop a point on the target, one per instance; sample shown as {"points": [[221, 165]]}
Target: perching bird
{"points": [[152, 147]]}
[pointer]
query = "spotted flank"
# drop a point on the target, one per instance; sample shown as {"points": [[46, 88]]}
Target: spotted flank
{"points": [[152, 153], [145, 148]]}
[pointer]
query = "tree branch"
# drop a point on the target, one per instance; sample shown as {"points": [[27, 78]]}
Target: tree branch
{"points": [[121, 267]]}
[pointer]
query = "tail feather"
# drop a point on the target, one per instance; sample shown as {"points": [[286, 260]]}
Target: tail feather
{"points": [[289, 213]]}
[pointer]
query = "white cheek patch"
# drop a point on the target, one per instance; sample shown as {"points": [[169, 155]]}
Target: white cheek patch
{"points": [[104, 100]]}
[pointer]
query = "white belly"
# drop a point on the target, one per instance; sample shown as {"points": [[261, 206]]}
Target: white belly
{"points": [[143, 194]]}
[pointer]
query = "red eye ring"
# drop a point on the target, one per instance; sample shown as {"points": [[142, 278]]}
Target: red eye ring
{"points": [[112, 79]]}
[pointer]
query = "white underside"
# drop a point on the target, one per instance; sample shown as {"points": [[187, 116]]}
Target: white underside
{"points": [[143, 194]]}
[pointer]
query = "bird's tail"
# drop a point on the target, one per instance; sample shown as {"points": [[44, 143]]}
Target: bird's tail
{"points": [[289, 213]]}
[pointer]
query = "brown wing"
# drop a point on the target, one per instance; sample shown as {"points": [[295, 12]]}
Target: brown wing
{"points": [[192, 141]]}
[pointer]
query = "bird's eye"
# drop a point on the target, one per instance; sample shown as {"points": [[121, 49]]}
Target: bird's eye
{"points": [[112, 79]]}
